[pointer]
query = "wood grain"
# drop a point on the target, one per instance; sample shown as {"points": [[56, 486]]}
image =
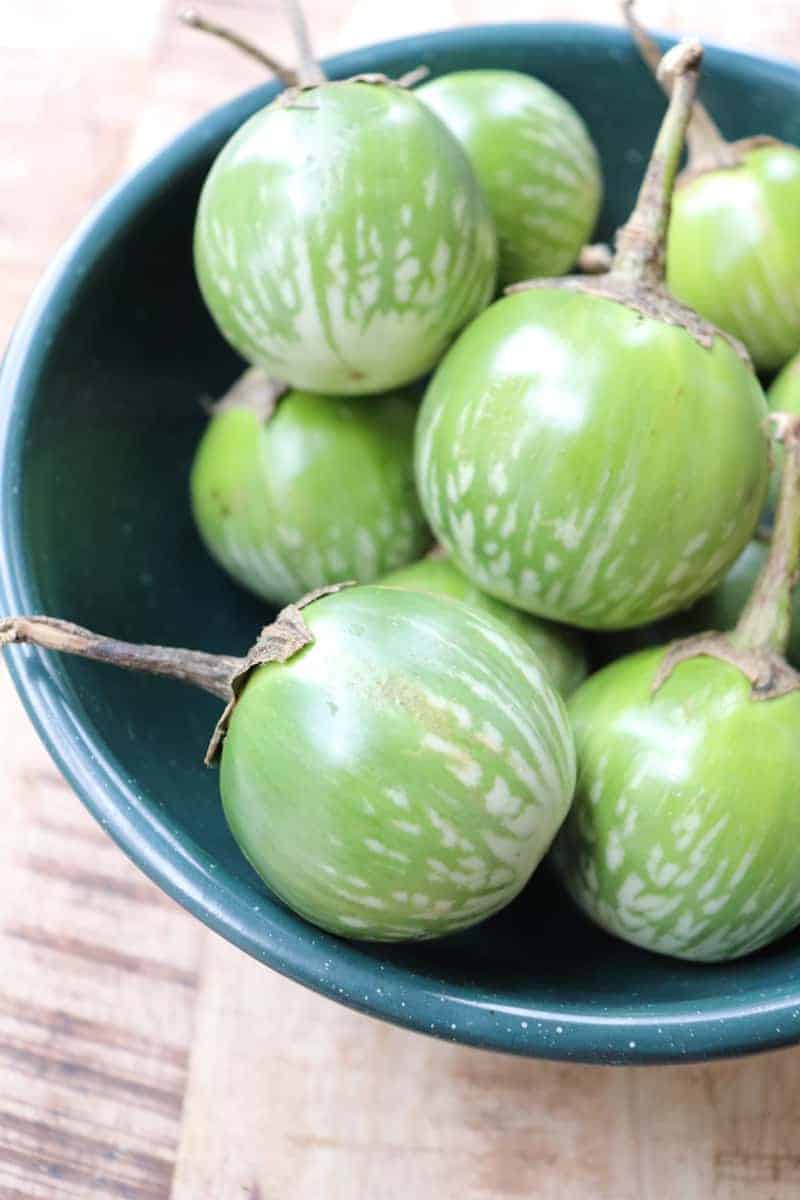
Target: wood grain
{"points": [[140, 1056]]}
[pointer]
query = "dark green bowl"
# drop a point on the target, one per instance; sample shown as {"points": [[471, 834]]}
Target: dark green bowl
{"points": [[98, 421]]}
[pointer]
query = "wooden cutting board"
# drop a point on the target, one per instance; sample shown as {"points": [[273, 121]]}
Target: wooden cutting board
{"points": [[165, 1063]]}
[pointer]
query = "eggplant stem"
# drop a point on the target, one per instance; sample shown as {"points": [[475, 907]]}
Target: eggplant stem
{"points": [[253, 391], [766, 621], [211, 672], [195, 20], [639, 257], [706, 145], [309, 72], [595, 259], [411, 78]]}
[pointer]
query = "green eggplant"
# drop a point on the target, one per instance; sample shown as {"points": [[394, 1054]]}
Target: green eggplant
{"points": [[341, 238], [590, 450], [393, 765], [534, 159], [684, 837], [559, 649], [734, 238], [294, 491]]}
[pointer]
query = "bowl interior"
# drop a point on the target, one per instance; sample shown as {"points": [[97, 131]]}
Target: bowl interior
{"points": [[101, 416]]}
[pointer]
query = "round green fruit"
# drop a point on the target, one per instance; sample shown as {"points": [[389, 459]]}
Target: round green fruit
{"points": [[535, 160], [589, 450], [734, 246], [394, 765], [342, 239], [684, 837], [404, 775], [317, 491], [559, 650], [588, 465]]}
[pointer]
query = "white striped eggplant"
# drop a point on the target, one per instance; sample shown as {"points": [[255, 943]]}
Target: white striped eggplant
{"points": [[590, 450], [342, 239], [294, 491], [734, 239], [535, 160], [393, 765], [559, 649], [685, 833]]}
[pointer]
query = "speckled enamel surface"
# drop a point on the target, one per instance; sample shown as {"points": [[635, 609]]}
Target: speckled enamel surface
{"points": [[535, 160], [402, 776], [684, 836], [559, 649], [733, 250], [320, 493], [589, 465], [342, 240]]}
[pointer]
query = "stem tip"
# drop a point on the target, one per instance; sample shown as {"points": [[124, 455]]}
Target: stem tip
{"points": [[680, 60], [10, 632]]}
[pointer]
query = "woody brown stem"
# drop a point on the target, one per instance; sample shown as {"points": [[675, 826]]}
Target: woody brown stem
{"points": [[211, 672], [707, 147], [639, 256], [194, 20]]}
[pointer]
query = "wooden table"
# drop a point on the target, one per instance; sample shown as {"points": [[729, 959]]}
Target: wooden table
{"points": [[168, 1064]]}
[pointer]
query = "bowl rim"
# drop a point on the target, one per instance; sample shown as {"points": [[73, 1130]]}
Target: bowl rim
{"points": [[679, 1031]]}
